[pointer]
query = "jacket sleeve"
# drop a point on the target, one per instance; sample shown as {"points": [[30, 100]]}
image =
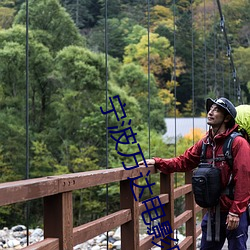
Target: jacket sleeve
{"points": [[241, 175], [185, 162]]}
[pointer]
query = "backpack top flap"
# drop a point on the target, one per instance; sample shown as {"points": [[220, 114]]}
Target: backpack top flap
{"points": [[243, 118]]}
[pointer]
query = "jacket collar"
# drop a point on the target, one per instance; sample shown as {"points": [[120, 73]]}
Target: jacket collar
{"points": [[221, 136]]}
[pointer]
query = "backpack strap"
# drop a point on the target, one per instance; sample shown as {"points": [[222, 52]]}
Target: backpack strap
{"points": [[203, 152], [227, 151], [227, 148]]}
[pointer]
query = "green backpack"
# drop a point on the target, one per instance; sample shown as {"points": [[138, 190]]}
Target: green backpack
{"points": [[243, 120]]}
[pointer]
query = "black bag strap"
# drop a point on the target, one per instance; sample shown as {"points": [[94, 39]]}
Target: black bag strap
{"points": [[227, 148], [203, 152], [203, 158], [227, 151]]}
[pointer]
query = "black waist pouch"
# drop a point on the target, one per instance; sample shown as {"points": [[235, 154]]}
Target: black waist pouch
{"points": [[206, 183]]}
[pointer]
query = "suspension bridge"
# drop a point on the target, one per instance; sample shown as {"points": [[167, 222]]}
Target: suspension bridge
{"points": [[56, 192]]}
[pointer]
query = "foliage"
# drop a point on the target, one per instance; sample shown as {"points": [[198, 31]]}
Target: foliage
{"points": [[161, 16], [84, 13], [242, 63], [6, 17], [53, 25], [142, 87], [152, 63]]}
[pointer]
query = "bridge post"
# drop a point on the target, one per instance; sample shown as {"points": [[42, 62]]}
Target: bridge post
{"points": [[167, 187], [130, 230], [58, 219], [190, 205]]}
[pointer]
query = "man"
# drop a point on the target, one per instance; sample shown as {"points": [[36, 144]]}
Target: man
{"points": [[221, 115]]}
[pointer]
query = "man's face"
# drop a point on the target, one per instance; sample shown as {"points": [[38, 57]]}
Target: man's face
{"points": [[215, 116]]}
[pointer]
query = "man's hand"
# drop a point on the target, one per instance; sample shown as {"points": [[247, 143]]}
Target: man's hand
{"points": [[232, 222], [148, 161]]}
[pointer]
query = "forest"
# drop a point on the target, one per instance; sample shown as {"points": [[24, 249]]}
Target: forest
{"points": [[162, 58]]}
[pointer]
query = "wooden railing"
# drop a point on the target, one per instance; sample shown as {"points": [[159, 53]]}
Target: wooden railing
{"points": [[56, 192]]}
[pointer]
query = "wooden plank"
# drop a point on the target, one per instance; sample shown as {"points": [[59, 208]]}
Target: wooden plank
{"points": [[94, 178], [46, 244], [58, 219], [182, 190], [163, 197], [198, 231], [24, 190], [90, 230], [198, 209], [130, 230], [167, 186], [190, 205], [186, 243], [182, 218], [146, 244]]}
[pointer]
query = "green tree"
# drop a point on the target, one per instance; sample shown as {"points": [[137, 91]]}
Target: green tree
{"points": [[161, 57], [6, 17], [80, 95], [42, 163], [53, 25], [136, 83], [84, 13], [241, 56]]}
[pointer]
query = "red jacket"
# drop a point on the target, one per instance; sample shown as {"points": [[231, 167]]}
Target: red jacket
{"points": [[241, 167]]}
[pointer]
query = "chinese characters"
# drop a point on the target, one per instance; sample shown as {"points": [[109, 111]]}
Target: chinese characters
{"points": [[153, 206]]}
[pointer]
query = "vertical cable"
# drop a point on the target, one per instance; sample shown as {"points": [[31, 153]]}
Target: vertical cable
{"points": [[229, 84], [149, 121], [222, 70], [237, 87], [215, 52], [175, 95], [205, 51], [106, 82], [192, 28], [27, 207], [174, 76], [223, 80]]}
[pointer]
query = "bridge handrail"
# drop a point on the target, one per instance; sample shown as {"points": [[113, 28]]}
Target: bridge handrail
{"points": [[56, 192]]}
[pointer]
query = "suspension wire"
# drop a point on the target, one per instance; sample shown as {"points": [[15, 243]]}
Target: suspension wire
{"points": [[223, 78], [106, 82], [222, 68], [148, 30], [149, 121], [229, 83], [174, 77], [205, 51], [27, 206], [192, 76], [175, 95], [229, 54], [215, 52]]}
